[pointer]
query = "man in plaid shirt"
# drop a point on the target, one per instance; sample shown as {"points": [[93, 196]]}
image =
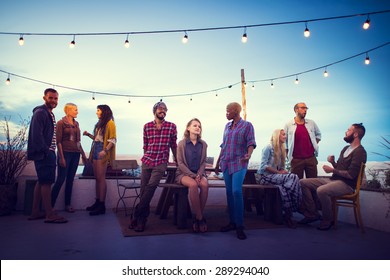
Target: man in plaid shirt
{"points": [[159, 137]]}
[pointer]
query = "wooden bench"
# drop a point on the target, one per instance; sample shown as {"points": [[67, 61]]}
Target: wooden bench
{"points": [[266, 199]]}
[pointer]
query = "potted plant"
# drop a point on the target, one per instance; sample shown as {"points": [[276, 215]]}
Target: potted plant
{"points": [[13, 160]]}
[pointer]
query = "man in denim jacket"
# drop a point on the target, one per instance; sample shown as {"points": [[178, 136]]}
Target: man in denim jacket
{"points": [[303, 136]]}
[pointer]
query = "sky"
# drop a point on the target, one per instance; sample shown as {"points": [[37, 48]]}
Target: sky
{"points": [[157, 65]]}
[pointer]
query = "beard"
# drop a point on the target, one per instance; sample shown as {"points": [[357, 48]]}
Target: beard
{"points": [[349, 139], [160, 116]]}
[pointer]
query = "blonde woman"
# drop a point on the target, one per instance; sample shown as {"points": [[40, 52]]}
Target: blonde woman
{"points": [[191, 163], [272, 171], [69, 151]]}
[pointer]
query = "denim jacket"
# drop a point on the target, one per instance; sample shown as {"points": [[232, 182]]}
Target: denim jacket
{"points": [[314, 133]]}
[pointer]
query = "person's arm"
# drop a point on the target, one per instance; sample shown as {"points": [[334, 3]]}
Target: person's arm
{"points": [[217, 169], [59, 131], [86, 133], [181, 164]]}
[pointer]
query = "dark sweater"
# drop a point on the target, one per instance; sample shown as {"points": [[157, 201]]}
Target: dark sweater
{"points": [[40, 133], [351, 163]]}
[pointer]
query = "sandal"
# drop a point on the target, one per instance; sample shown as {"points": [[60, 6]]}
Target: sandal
{"points": [[195, 225], [202, 225]]}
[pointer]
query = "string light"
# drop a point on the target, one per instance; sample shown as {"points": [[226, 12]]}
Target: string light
{"points": [[296, 80], [8, 81], [253, 86], [306, 33], [367, 60], [272, 83], [73, 42], [21, 40], [326, 74], [366, 24], [127, 43], [129, 101], [244, 37], [185, 38], [201, 92]]}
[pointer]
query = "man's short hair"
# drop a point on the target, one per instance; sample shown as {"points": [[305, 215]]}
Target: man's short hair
{"points": [[50, 90], [360, 129]]}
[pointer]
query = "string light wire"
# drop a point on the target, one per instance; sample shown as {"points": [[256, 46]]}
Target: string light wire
{"points": [[195, 29], [198, 92]]}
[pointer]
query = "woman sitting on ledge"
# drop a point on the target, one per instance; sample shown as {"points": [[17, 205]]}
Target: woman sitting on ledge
{"points": [[191, 161], [272, 171]]}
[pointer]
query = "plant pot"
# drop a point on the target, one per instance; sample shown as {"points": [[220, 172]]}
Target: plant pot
{"points": [[8, 196]]}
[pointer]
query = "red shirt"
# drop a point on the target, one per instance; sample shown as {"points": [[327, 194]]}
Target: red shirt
{"points": [[157, 142], [303, 148]]}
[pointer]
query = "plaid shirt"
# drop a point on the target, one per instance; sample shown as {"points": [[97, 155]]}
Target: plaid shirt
{"points": [[235, 145], [157, 142]]}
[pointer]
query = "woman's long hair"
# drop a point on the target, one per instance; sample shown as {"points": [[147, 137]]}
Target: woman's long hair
{"points": [[279, 149], [104, 119], [187, 133]]}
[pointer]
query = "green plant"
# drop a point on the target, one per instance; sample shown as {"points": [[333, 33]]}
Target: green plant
{"points": [[13, 157], [374, 182]]}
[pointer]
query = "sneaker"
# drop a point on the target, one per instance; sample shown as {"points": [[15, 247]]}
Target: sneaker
{"points": [[240, 233], [228, 227]]}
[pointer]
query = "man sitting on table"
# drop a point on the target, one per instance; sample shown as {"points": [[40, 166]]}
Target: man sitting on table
{"points": [[343, 181]]}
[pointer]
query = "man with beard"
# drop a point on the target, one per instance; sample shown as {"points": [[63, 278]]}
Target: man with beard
{"points": [[343, 180], [41, 148], [302, 140], [159, 136]]}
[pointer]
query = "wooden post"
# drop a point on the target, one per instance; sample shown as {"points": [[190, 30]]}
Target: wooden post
{"points": [[243, 93]]}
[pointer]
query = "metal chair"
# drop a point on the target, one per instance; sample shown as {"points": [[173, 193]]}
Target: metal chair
{"points": [[351, 200], [126, 183]]}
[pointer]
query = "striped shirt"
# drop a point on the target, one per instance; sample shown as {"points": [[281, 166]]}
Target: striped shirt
{"points": [[157, 142], [54, 139], [235, 145]]}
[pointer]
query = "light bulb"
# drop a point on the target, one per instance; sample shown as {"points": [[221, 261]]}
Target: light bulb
{"points": [[367, 60], [253, 86], [326, 74], [272, 84], [73, 42], [21, 41], [127, 44], [306, 33], [184, 40], [244, 38], [8, 81], [296, 81], [366, 24]]}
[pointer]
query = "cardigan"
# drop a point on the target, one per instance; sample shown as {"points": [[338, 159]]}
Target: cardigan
{"points": [[182, 166]]}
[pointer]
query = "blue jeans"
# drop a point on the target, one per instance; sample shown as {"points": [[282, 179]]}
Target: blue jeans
{"points": [[234, 197], [72, 162]]}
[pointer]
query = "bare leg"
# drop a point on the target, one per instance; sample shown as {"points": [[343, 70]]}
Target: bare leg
{"points": [[101, 184], [35, 211], [193, 195]]}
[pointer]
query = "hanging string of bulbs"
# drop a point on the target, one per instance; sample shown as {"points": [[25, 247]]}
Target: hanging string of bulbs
{"points": [[216, 90], [185, 38]]}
